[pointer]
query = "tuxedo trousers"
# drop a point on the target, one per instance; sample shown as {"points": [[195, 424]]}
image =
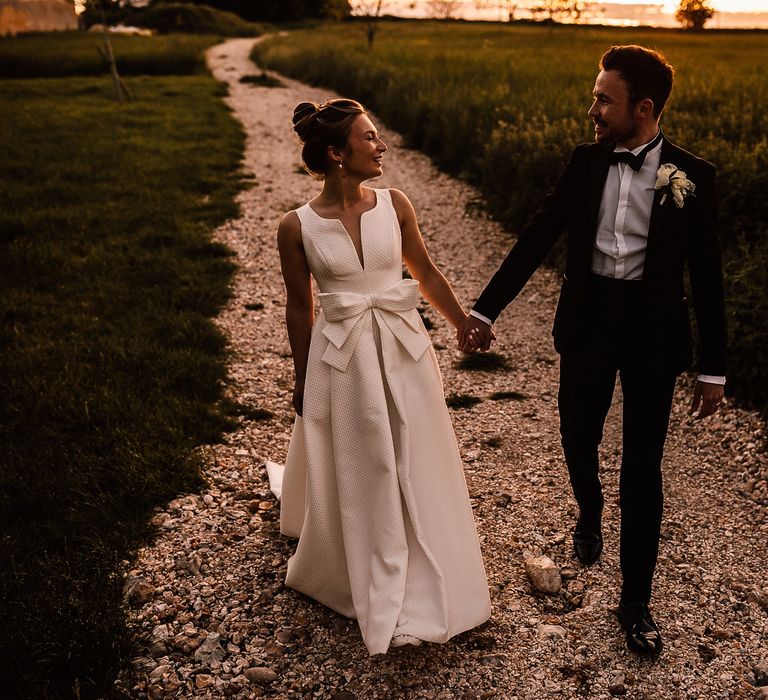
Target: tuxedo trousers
{"points": [[611, 344]]}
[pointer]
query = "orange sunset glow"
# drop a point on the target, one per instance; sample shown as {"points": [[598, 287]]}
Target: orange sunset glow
{"points": [[741, 14]]}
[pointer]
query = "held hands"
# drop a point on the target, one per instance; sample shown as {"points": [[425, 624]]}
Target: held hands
{"points": [[473, 335], [706, 398]]}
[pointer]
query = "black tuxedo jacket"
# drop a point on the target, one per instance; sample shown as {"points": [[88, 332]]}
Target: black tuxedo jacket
{"points": [[676, 237]]}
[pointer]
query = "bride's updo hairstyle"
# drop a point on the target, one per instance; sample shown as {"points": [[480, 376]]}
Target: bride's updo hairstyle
{"points": [[322, 125]]}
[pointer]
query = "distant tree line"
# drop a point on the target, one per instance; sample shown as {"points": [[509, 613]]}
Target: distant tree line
{"points": [[280, 10], [250, 10], [692, 14]]}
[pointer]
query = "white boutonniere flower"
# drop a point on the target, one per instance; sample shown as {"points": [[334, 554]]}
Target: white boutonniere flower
{"points": [[675, 182]]}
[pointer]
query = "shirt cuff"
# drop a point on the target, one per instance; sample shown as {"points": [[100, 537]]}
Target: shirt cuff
{"points": [[474, 313], [710, 379]]}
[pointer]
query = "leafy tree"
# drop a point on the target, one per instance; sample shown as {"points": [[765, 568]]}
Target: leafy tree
{"points": [[693, 14]]}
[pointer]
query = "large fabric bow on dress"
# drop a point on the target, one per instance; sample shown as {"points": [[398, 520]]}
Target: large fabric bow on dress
{"points": [[394, 310]]}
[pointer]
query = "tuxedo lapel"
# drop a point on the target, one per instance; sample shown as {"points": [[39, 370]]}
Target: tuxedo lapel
{"points": [[659, 211], [595, 184]]}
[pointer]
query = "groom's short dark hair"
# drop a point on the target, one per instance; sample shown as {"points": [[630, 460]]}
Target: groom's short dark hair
{"points": [[647, 73]]}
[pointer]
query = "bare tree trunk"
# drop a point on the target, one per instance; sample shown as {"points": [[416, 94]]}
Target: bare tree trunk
{"points": [[369, 11], [122, 92]]}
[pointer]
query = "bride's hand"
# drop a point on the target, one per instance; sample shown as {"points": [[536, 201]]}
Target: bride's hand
{"points": [[474, 335], [298, 397]]}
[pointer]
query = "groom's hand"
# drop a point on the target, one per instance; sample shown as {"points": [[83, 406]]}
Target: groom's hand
{"points": [[706, 399], [473, 335]]}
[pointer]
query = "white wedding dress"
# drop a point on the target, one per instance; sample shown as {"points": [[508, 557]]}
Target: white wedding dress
{"points": [[373, 484]]}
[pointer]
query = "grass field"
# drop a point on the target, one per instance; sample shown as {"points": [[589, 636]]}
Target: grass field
{"points": [[65, 54], [504, 105], [111, 370]]}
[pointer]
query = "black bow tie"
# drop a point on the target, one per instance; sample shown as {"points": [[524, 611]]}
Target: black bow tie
{"points": [[635, 161]]}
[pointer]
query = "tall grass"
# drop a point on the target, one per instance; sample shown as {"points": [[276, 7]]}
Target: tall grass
{"points": [[62, 54], [110, 368], [505, 105]]}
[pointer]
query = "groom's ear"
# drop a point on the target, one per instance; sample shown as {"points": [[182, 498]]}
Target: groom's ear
{"points": [[644, 108]]}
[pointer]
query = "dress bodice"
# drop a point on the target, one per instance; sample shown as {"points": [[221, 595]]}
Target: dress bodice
{"points": [[331, 254]]}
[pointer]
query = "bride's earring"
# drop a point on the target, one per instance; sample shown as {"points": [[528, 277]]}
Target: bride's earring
{"points": [[341, 165]]}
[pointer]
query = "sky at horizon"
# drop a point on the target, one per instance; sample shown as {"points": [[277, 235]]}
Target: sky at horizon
{"points": [[729, 13], [720, 5]]}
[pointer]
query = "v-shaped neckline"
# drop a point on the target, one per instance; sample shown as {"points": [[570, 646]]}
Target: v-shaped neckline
{"points": [[360, 262]]}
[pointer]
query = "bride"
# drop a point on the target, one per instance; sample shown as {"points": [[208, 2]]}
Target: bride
{"points": [[373, 485]]}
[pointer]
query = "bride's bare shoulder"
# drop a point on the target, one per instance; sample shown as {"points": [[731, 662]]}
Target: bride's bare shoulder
{"points": [[399, 197], [403, 206], [289, 229]]}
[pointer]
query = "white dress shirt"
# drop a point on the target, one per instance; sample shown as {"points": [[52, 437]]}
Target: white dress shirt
{"points": [[624, 217], [623, 222]]}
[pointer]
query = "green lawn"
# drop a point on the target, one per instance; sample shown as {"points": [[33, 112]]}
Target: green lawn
{"points": [[504, 105], [111, 370]]}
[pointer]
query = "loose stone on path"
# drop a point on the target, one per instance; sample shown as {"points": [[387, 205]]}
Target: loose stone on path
{"points": [[543, 573]]}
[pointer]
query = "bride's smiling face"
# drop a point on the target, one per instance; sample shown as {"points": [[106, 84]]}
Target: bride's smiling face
{"points": [[362, 156], [611, 111]]}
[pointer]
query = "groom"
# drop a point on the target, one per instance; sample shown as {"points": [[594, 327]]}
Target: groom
{"points": [[637, 209]]}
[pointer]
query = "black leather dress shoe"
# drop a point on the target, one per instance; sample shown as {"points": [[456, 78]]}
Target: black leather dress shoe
{"points": [[643, 636], [587, 543]]}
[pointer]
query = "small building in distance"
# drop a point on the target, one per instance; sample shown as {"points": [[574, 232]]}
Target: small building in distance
{"points": [[19, 16]]}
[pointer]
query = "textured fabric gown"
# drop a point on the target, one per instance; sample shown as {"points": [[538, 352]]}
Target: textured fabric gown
{"points": [[373, 485]]}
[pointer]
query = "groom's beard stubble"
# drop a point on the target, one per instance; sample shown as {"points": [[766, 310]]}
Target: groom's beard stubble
{"points": [[618, 134]]}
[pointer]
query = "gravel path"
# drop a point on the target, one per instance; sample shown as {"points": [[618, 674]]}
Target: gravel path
{"points": [[207, 598]]}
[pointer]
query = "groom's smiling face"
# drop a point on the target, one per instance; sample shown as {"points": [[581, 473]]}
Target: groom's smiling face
{"points": [[612, 112]]}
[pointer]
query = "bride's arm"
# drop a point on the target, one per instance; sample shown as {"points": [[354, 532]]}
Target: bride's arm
{"points": [[434, 286], [299, 305]]}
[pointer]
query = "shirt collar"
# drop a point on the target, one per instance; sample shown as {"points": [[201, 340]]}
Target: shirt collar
{"points": [[635, 151]]}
